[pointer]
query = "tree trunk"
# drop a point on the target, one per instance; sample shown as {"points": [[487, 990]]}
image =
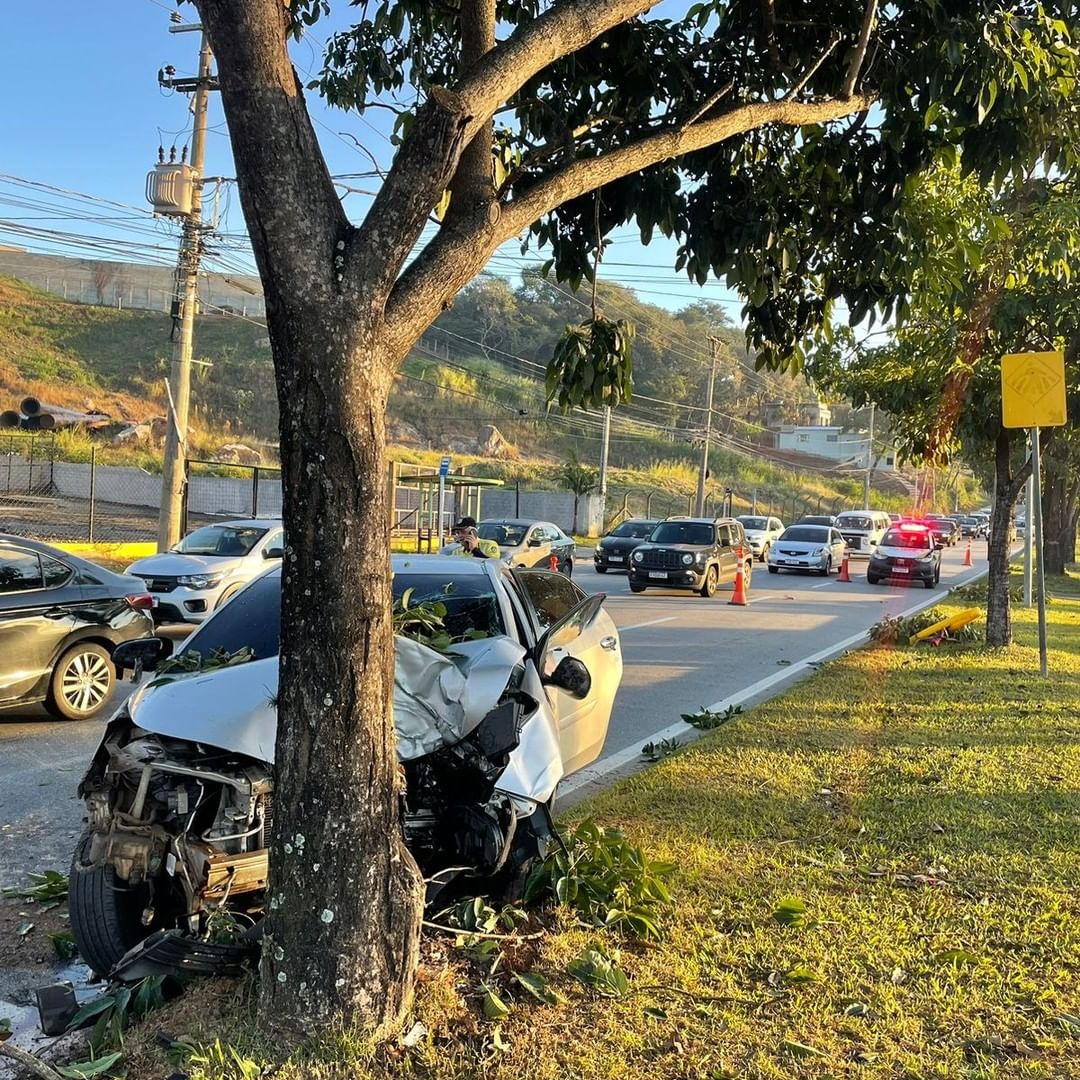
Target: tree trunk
{"points": [[345, 896], [1059, 507], [998, 611]]}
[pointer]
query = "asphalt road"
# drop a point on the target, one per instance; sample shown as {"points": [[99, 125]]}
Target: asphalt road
{"points": [[680, 652]]}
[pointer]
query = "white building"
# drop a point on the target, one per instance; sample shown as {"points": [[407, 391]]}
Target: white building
{"points": [[833, 442]]}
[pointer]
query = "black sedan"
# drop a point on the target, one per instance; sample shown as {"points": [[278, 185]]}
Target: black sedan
{"points": [[945, 530], [614, 547], [60, 618]]}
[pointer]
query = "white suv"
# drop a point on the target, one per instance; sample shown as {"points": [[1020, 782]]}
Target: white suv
{"points": [[208, 567], [761, 533]]}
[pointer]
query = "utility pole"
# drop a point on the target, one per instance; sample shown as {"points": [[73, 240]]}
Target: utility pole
{"points": [[187, 290], [869, 460], [1029, 537], [714, 345], [604, 444]]}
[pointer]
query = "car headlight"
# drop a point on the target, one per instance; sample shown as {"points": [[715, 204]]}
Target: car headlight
{"points": [[699, 558], [637, 556], [199, 581], [687, 559], [600, 549], [819, 552]]}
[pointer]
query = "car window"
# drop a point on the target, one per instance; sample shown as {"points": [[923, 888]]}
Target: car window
{"points": [[276, 539], [637, 530], [552, 595], [223, 540], [855, 521], [503, 533], [754, 522], [774, 524], [806, 534], [55, 572], [19, 570], [682, 532], [837, 538], [906, 538]]}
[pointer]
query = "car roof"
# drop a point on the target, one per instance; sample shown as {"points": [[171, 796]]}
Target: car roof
{"points": [[438, 564], [65, 556], [245, 523], [514, 521], [697, 520]]}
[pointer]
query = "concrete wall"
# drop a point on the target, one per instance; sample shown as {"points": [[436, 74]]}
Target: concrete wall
{"points": [[554, 506]]}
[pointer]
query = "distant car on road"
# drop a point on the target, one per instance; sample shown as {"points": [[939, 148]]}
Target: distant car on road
{"points": [[816, 548], [209, 567], [526, 542], [691, 553], [614, 548], [908, 552], [761, 533], [945, 530], [828, 520], [971, 526], [60, 618], [863, 529]]}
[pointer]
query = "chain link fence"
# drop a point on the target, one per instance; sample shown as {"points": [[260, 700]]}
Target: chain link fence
{"points": [[662, 504]]}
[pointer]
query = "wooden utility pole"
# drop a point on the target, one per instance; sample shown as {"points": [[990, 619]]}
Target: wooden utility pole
{"points": [[178, 385]]}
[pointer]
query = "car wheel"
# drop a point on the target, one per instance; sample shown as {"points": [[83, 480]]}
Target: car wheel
{"points": [[635, 587], [81, 682], [873, 579], [930, 582], [600, 569], [826, 570], [774, 569], [708, 587], [568, 567], [765, 553]]}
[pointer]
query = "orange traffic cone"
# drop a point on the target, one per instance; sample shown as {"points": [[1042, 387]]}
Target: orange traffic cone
{"points": [[738, 597], [845, 569], [967, 554]]}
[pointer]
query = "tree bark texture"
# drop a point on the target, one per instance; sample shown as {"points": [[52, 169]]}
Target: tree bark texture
{"points": [[998, 608], [1060, 494], [345, 896]]}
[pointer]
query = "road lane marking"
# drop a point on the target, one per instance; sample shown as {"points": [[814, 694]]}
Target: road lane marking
{"points": [[595, 774], [651, 622]]}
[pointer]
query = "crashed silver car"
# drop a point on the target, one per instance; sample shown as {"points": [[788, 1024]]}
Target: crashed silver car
{"points": [[171, 873]]}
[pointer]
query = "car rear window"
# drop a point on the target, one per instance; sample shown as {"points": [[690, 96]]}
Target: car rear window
{"points": [[806, 534], [754, 522], [637, 530]]}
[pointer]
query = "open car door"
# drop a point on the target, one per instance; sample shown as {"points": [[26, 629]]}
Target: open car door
{"points": [[585, 633]]}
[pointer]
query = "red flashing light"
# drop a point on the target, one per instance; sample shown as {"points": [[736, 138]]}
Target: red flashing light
{"points": [[908, 526]]}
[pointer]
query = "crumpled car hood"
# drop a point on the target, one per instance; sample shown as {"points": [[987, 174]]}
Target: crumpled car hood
{"points": [[173, 564], [438, 699]]}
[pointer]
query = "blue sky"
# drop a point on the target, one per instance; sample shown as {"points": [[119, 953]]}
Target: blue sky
{"points": [[90, 116]]}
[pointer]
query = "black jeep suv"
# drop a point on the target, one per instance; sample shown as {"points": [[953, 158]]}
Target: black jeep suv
{"points": [[691, 553]]}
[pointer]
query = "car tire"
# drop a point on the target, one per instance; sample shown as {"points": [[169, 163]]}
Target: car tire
{"points": [[106, 916], [774, 569], [930, 583], [708, 586], [827, 568], [600, 569], [81, 682], [568, 568], [635, 587], [873, 579], [765, 553]]}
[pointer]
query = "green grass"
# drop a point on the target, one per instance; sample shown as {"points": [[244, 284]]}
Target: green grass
{"points": [[924, 805]]}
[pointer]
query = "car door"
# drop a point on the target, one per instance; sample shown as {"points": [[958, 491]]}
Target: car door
{"points": [[535, 549], [33, 623], [573, 624], [725, 541], [838, 544]]}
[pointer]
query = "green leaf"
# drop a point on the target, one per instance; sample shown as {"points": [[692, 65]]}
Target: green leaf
{"points": [[799, 975], [791, 912], [537, 986], [956, 958], [63, 943], [802, 1050], [91, 1009], [24, 928], [494, 1007], [90, 1068], [597, 970]]}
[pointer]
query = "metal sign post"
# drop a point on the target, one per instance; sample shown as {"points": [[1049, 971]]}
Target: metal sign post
{"points": [[444, 471], [1033, 396]]}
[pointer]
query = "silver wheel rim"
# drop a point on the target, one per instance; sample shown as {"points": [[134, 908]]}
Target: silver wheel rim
{"points": [[85, 682]]}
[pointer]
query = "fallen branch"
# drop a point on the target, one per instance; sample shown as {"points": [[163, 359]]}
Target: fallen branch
{"points": [[29, 1062], [459, 931]]}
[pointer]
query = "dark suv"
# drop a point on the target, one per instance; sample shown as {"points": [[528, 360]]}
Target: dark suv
{"points": [[691, 553]]}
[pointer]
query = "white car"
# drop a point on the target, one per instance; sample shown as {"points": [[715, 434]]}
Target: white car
{"points": [[208, 567], [761, 532], [817, 548], [524, 542]]}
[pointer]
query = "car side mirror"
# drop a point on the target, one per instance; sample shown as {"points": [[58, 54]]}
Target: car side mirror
{"points": [[141, 654], [274, 553], [534, 542], [571, 675]]}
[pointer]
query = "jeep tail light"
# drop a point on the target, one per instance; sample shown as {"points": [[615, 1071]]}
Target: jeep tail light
{"points": [[141, 601]]}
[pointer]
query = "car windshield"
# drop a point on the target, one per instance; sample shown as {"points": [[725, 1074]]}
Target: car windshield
{"points": [[504, 533], [806, 534], [252, 619], [854, 521], [638, 530], [906, 538], [682, 532], [754, 522], [224, 540]]}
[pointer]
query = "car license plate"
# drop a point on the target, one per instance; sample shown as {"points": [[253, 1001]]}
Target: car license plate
{"points": [[901, 570], [782, 562], [658, 573], [615, 558]]}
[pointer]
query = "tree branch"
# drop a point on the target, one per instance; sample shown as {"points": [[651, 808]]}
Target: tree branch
{"points": [[293, 213], [812, 71], [858, 54], [455, 255]]}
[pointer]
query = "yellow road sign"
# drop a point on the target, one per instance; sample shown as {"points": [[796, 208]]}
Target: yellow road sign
{"points": [[1033, 389]]}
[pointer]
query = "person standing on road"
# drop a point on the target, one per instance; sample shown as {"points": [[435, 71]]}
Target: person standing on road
{"points": [[477, 547]]}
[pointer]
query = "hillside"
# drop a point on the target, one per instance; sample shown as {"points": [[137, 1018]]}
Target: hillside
{"points": [[479, 368]]}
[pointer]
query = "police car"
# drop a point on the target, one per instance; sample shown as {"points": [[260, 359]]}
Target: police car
{"points": [[908, 551]]}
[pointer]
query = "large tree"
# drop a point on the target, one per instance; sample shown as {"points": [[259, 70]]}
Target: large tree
{"points": [[771, 139], [994, 276]]}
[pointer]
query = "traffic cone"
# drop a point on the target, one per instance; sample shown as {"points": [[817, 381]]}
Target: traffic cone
{"points": [[738, 597], [967, 554], [845, 569], [553, 563]]}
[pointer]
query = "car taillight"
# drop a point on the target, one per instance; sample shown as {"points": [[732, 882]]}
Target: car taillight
{"points": [[141, 601]]}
